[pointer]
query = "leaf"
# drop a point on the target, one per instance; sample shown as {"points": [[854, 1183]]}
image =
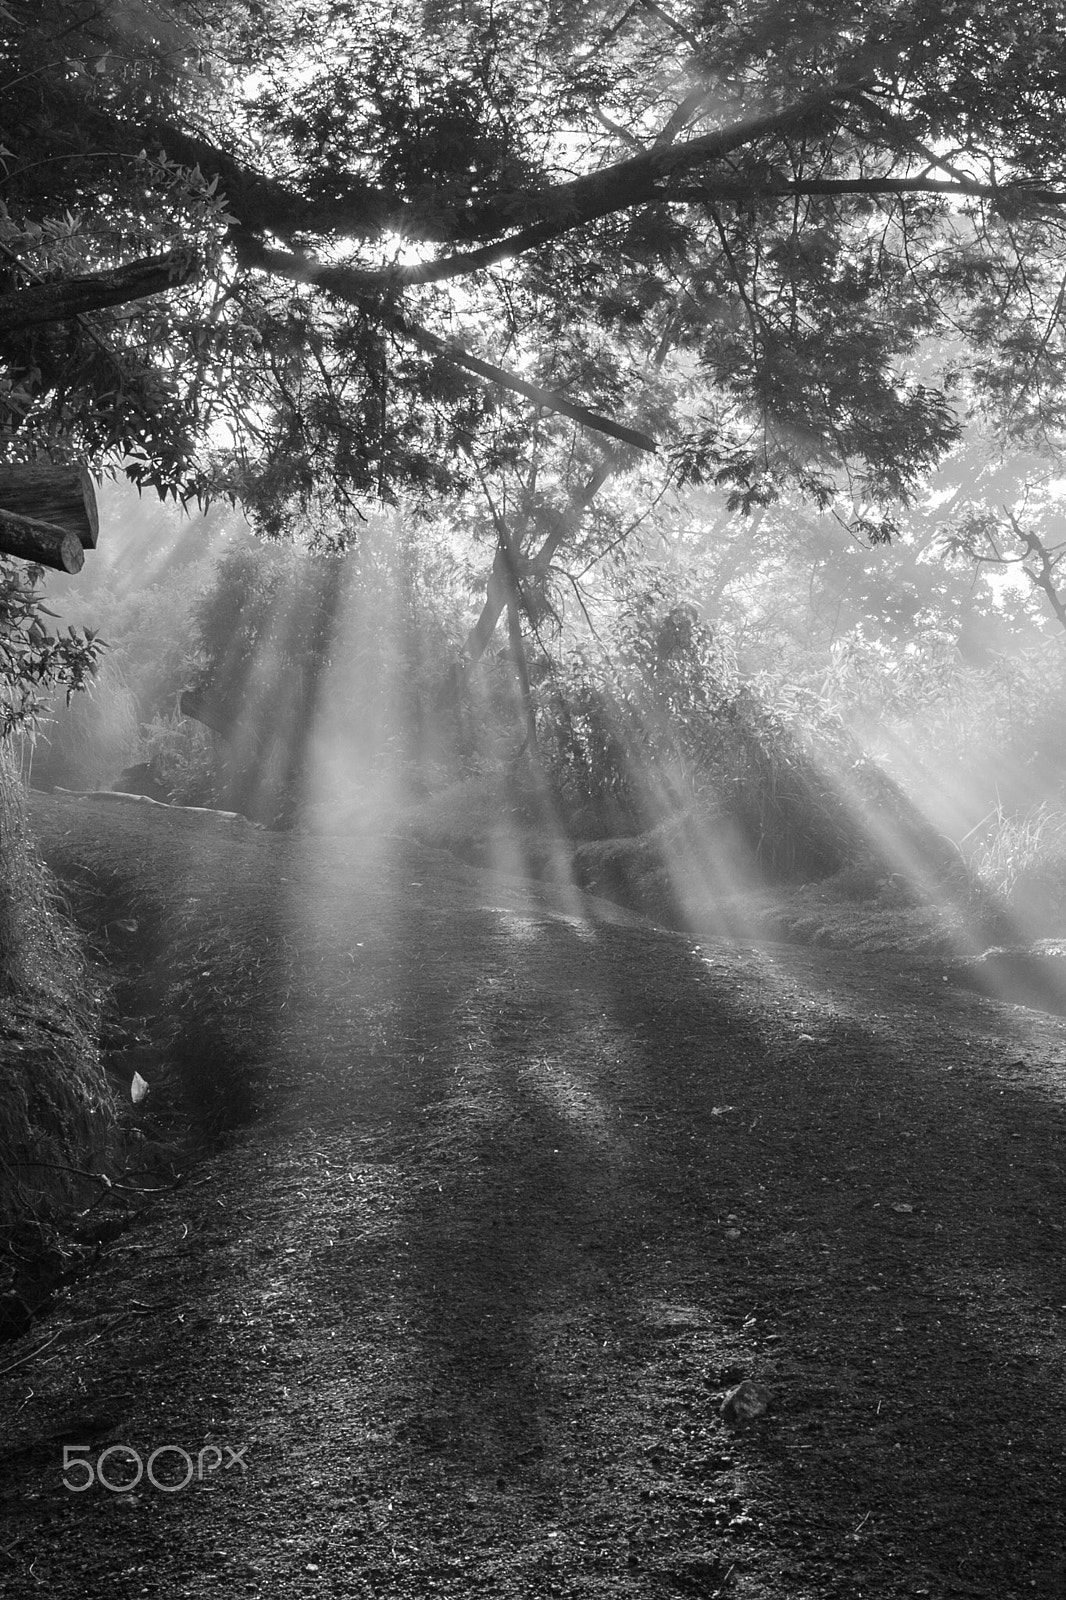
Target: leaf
{"points": [[138, 1089]]}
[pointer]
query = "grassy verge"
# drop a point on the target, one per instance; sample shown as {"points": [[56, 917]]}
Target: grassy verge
{"points": [[57, 1108], [189, 964]]}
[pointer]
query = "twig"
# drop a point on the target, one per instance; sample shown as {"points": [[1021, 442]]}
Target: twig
{"points": [[136, 1309], [32, 1354], [101, 1177]]}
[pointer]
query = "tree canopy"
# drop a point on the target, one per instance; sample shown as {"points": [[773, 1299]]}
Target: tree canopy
{"points": [[315, 251]]}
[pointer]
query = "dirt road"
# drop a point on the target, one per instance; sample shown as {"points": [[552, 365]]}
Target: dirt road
{"points": [[539, 1186]]}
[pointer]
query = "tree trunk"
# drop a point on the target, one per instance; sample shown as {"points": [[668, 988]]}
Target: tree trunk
{"points": [[64, 497], [211, 713], [30, 540], [517, 643], [477, 641]]}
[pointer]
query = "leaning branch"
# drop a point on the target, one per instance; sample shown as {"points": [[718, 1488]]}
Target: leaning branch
{"points": [[1044, 575], [355, 286], [636, 181], [67, 298], [548, 398], [463, 263]]}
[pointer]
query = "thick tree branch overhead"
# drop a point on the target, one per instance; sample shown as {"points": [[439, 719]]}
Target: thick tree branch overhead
{"points": [[65, 298]]}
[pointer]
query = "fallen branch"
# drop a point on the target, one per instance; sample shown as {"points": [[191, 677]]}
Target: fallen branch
{"points": [[110, 1325], [102, 1178]]}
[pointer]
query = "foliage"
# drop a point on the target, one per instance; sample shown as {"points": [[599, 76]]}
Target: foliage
{"points": [[180, 759], [322, 670], [1020, 856], [56, 1108], [33, 661], [662, 726], [86, 743], [1006, 846], [948, 674], [809, 235]]}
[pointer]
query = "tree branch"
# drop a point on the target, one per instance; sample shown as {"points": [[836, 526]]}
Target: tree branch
{"points": [[636, 181], [356, 286], [920, 184], [1044, 576], [543, 215], [477, 641], [530, 391], [261, 201], [67, 298]]}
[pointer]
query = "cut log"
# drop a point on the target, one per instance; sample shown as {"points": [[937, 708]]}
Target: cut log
{"points": [[64, 497], [49, 546]]}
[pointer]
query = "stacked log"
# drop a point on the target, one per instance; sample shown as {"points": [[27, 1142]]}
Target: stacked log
{"points": [[48, 514]]}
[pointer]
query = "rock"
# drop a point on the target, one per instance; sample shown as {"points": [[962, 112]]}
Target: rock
{"points": [[746, 1401]]}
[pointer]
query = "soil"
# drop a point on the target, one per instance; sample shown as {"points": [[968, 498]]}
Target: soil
{"points": [[538, 1185]]}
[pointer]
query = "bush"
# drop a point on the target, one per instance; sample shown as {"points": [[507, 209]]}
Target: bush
{"points": [[182, 761], [218, 1010], [667, 729]]}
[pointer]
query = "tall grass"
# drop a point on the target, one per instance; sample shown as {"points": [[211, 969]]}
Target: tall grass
{"points": [[1022, 856]]}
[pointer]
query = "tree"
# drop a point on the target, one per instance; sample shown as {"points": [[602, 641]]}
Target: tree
{"points": [[354, 243]]}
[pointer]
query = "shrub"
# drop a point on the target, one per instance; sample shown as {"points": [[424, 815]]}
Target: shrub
{"points": [[666, 727], [183, 760]]}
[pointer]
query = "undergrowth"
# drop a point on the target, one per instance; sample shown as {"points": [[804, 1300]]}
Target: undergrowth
{"points": [[1021, 858], [216, 1011], [57, 1109], [185, 984]]}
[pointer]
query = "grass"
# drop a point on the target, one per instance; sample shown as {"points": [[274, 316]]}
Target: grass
{"points": [[57, 1110], [1021, 858], [188, 978]]}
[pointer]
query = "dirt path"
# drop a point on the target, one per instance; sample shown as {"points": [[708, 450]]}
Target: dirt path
{"points": [[543, 1183]]}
